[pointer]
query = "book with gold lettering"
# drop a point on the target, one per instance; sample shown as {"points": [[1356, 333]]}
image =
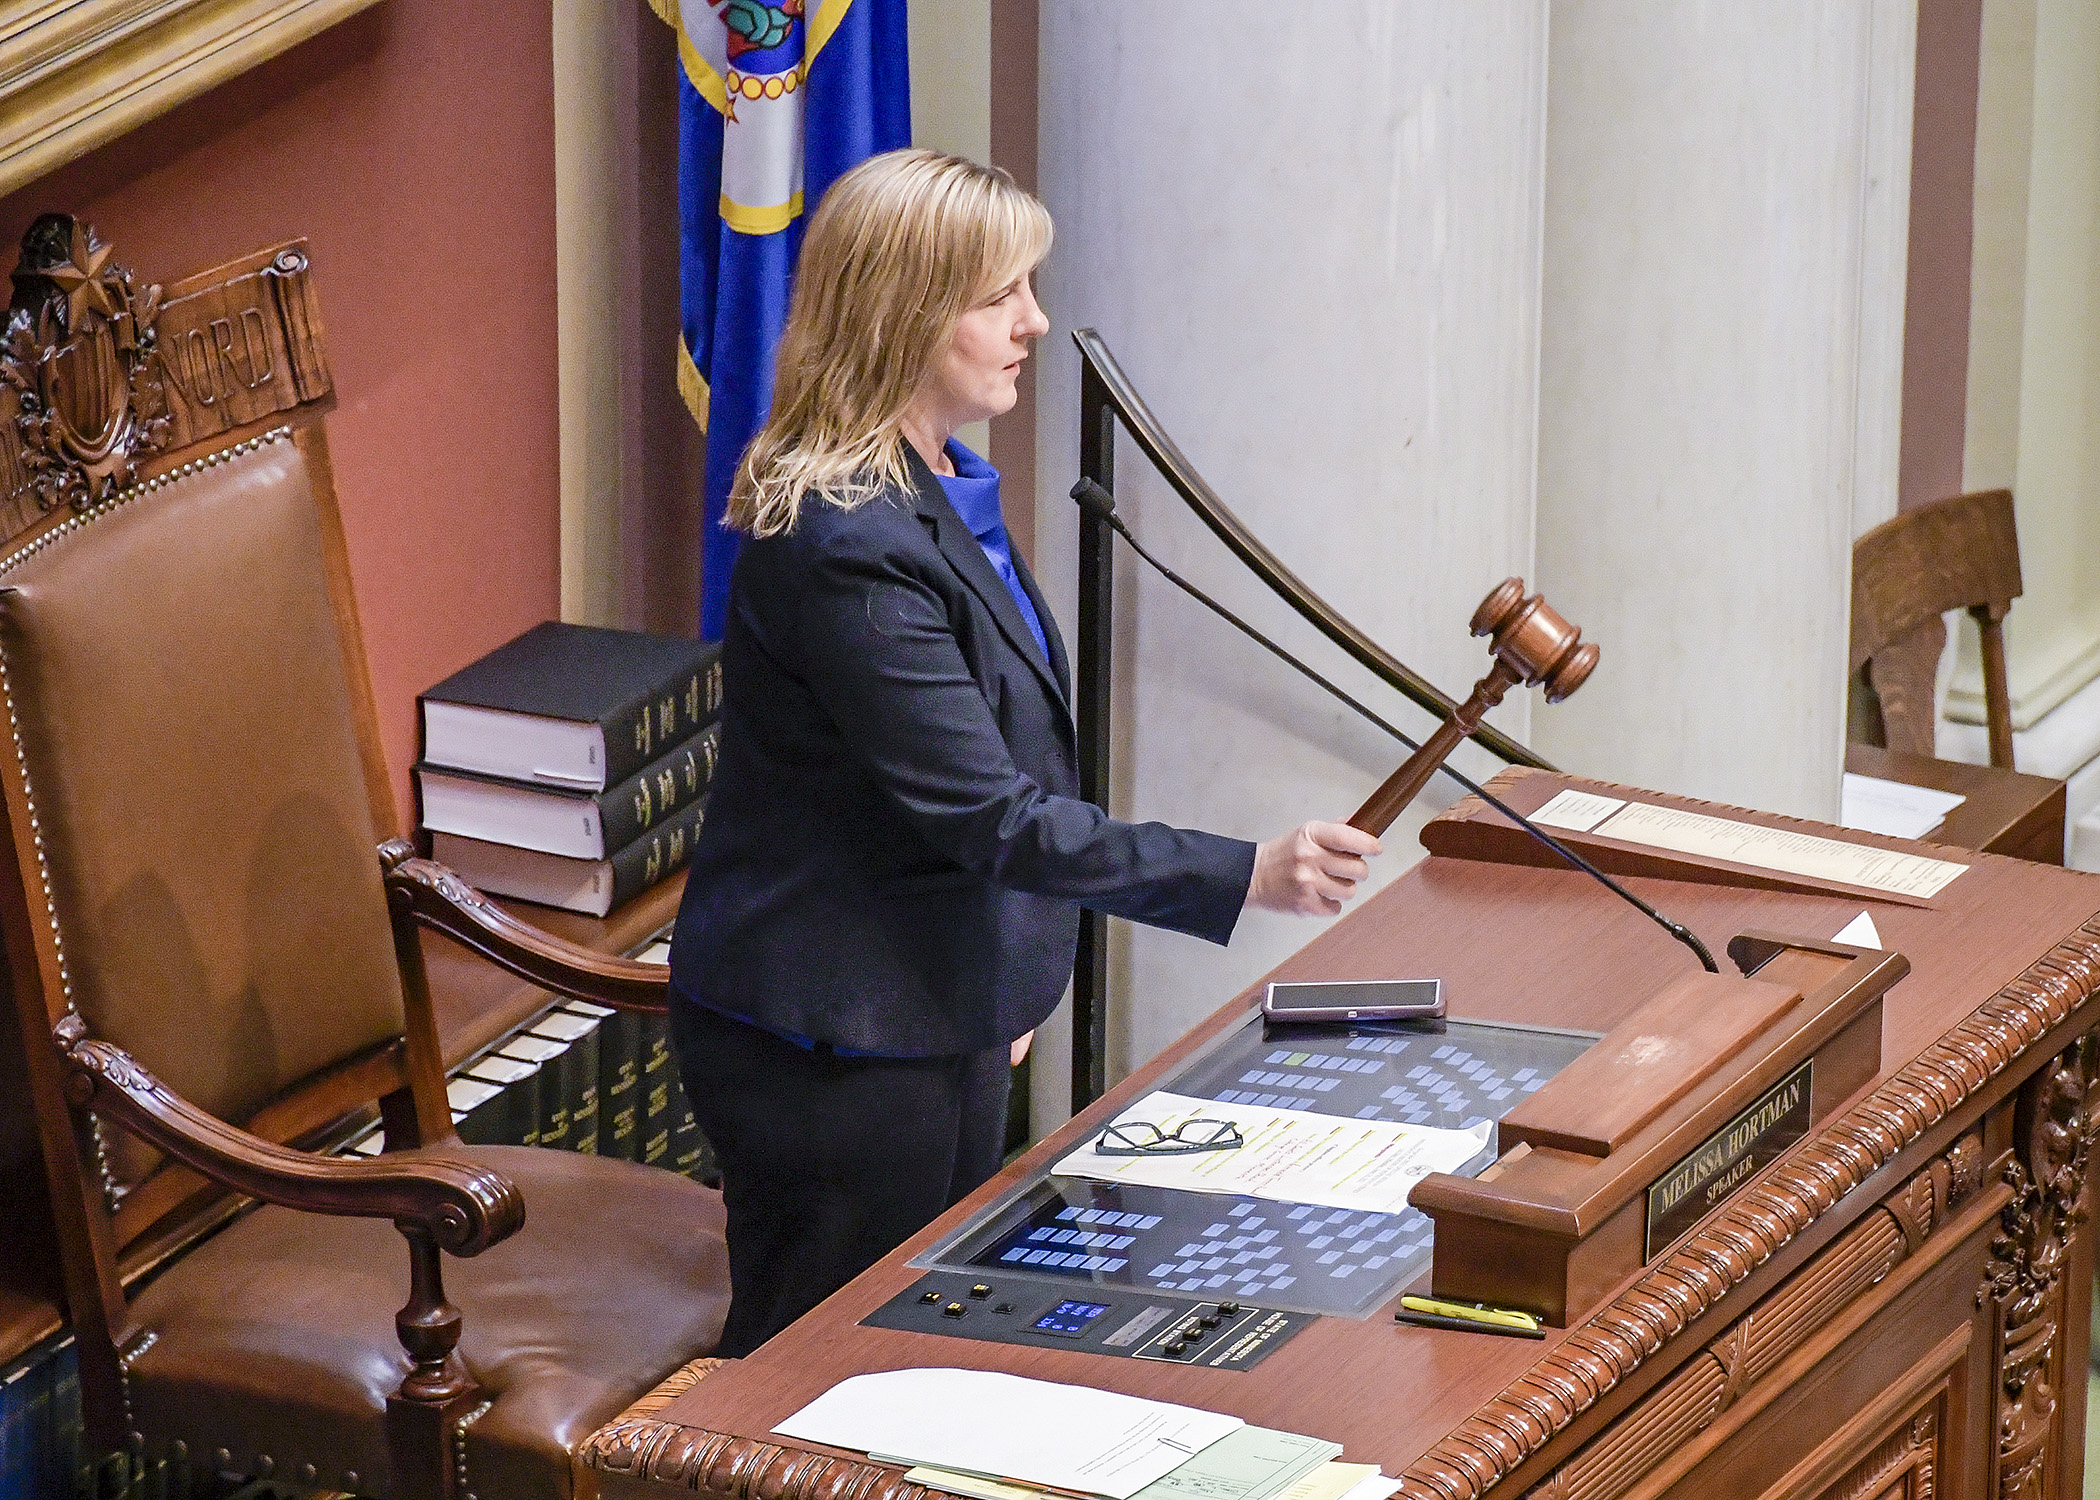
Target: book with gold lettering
{"points": [[568, 821], [591, 886], [574, 706]]}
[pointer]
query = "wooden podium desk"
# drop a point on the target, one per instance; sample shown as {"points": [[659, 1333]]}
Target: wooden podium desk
{"points": [[1897, 1306]]}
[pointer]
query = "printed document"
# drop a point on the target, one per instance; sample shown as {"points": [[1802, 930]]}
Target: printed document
{"points": [[1779, 849], [1062, 1437], [1290, 1155]]}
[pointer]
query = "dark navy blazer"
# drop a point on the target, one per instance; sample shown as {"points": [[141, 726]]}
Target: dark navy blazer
{"points": [[895, 851]]}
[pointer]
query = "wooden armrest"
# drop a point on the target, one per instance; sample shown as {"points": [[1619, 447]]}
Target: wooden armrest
{"points": [[463, 1208], [442, 901]]}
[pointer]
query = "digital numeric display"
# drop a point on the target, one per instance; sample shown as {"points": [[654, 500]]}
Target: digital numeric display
{"points": [[1070, 1319]]}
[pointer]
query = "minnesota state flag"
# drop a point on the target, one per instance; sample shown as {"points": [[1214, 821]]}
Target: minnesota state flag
{"points": [[774, 102]]}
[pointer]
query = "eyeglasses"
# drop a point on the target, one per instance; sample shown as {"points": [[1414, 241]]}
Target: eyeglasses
{"points": [[1141, 1138]]}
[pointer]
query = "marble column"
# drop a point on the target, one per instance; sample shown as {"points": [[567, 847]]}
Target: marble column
{"points": [[1720, 377], [2034, 376], [1312, 237]]}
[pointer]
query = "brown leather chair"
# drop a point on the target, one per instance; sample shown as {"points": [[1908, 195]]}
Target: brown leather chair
{"points": [[1962, 552], [216, 957]]}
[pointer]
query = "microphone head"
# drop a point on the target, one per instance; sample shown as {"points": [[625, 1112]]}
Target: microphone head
{"points": [[1093, 497]]}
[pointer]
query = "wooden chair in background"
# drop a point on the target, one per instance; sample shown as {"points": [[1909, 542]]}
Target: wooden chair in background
{"points": [[213, 940], [1962, 552]]}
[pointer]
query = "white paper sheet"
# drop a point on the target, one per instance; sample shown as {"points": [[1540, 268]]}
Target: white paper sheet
{"points": [[1292, 1156], [1860, 932], [1248, 1463], [1577, 811], [1064, 1437], [1895, 808], [1372, 1487]]}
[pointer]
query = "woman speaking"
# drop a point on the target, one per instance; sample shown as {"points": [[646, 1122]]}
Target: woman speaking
{"points": [[884, 900]]}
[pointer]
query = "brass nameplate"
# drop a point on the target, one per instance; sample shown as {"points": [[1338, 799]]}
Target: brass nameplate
{"points": [[1727, 1159]]}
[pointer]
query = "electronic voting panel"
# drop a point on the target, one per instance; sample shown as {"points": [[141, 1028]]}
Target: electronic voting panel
{"points": [[1215, 1279]]}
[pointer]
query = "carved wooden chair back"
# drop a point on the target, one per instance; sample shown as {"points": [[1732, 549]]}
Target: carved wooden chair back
{"points": [[215, 947], [1962, 552], [194, 783]]}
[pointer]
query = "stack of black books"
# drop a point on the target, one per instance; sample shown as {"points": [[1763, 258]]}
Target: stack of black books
{"points": [[40, 1424], [570, 766], [579, 1077]]}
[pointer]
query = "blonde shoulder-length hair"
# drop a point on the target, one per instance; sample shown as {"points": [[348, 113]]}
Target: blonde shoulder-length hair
{"points": [[901, 247]]}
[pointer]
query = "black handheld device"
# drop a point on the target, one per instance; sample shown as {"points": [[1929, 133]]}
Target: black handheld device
{"points": [[1345, 1000]]}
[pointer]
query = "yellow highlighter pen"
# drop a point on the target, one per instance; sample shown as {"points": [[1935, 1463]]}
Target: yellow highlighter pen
{"points": [[1469, 1317]]}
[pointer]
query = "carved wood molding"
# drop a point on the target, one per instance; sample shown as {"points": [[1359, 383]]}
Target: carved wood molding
{"points": [[2057, 1128], [637, 1445], [1691, 1399], [439, 899], [1914, 1448], [1615, 1341], [78, 374], [100, 371], [73, 76]]}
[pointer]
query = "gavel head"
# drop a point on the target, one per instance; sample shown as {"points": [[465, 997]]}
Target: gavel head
{"points": [[1533, 640]]}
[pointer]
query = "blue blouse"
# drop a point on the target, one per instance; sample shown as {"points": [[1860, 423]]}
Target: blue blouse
{"points": [[974, 492]]}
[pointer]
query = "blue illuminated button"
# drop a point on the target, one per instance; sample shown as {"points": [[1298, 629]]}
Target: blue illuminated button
{"points": [[1069, 1319]]}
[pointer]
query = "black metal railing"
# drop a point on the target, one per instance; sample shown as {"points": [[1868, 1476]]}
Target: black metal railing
{"points": [[1107, 397]]}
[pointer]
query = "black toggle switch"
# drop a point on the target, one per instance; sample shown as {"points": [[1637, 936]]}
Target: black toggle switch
{"points": [[980, 1291], [953, 1310], [1230, 1309], [1003, 1307], [929, 1296], [1209, 1321]]}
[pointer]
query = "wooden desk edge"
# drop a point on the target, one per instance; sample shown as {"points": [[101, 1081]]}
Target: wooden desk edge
{"points": [[638, 1450], [1596, 1357]]}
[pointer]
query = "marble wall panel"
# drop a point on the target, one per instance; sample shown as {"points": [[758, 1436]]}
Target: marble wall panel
{"points": [[1312, 237], [1714, 374]]}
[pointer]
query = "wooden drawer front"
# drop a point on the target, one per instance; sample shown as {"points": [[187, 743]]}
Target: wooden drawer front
{"points": [[1898, 1447], [1840, 1406], [1785, 1377], [1922, 1353]]}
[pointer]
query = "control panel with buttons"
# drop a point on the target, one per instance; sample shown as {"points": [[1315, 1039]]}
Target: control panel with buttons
{"points": [[1219, 1335]]}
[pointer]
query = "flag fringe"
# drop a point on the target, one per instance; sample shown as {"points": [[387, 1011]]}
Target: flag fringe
{"points": [[666, 11], [692, 385]]}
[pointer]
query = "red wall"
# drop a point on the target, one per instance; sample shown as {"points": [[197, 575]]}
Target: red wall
{"points": [[413, 145]]}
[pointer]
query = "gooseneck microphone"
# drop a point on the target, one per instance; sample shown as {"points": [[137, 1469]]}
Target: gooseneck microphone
{"points": [[1099, 502]]}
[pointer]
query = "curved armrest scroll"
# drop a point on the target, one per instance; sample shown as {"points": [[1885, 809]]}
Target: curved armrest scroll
{"points": [[442, 901], [462, 1207]]}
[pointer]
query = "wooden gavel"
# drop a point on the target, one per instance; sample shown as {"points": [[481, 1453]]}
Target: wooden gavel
{"points": [[1532, 644]]}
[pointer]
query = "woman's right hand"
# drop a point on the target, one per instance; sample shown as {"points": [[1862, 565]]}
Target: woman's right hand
{"points": [[1311, 870]]}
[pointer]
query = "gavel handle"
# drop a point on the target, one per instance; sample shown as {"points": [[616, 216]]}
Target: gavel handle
{"points": [[1401, 788]]}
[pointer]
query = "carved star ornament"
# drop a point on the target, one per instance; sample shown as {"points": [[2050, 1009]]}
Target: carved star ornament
{"points": [[80, 353]]}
